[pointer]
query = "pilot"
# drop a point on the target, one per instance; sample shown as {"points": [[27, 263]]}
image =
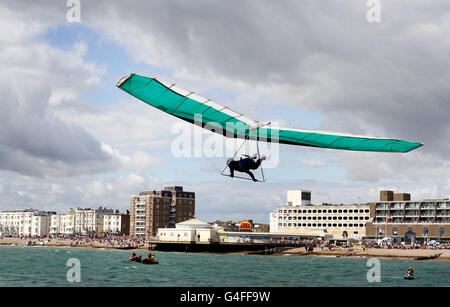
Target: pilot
{"points": [[245, 164]]}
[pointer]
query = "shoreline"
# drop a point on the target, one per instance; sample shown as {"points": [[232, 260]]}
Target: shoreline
{"points": [[64, 243], [412, 254], [336, 253]]}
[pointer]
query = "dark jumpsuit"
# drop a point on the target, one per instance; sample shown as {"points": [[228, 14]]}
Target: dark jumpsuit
{"points": [[244, 166]]}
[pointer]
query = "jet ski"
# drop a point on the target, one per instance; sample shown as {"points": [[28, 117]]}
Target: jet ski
{"points": [[408, 276]]}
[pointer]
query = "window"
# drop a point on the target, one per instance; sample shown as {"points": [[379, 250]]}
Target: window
{"points": [[441, 231], [425, 231]]}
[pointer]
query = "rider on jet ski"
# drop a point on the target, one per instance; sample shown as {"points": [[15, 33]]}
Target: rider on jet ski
{"points": [[410, 271]]}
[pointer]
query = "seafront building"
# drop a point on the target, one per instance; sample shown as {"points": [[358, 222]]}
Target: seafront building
{"points": [[197, 232], [332, 221], [151, 210], [87, 221], [28, 222], [116, 223], [397, 216], [189, 231], [62, 224]]}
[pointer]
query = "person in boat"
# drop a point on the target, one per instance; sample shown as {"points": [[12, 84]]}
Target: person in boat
{"points": [[150, 258], [133, 257], [245, 164], [410, 271]]}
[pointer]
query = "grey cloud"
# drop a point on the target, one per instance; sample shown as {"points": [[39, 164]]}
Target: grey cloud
{"points": [[33, 141], [389, 79]]}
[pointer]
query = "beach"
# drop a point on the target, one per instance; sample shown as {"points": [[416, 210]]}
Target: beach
{"points": [[79, 242], [336, 252], [373, 253]]}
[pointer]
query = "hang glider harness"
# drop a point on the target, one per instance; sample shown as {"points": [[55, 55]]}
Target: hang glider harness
{"points": [[258, 153]]}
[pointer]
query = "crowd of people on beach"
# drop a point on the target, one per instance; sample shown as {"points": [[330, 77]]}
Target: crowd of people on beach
{"points": [[418, 245], [112, 241]]}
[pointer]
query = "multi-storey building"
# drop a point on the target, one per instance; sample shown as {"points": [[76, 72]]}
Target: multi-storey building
{"points": [[89, 221], [27, 222], [116, 223], [62, 223], [157, 209], [339, 221], [395, 215]]}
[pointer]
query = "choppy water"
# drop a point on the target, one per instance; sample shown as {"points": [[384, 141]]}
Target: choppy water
{"points": [[46, 266]]}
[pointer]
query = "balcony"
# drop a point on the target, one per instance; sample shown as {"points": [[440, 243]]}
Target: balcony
{"points": [[397, 206], [428, 205]]}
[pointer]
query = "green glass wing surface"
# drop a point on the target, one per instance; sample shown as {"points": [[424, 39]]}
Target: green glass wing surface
{"points": [[210, 115]]}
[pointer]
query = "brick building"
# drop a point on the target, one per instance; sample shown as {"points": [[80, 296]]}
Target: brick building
{"points": [[151, 210], [395, 215]]}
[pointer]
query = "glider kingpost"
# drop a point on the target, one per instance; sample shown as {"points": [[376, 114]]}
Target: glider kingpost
{"points": [[196, 109]]}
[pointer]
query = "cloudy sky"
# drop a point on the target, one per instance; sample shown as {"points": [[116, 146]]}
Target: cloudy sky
{"points": [[69, 137]]}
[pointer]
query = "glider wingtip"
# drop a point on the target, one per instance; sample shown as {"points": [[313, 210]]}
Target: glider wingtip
{"points": [[121, 81], [416, 145]]}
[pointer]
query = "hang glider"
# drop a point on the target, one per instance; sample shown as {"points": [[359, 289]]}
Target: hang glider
{"points": [[205, 112]]}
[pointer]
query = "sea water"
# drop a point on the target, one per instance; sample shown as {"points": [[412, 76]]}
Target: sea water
{"points": [[47, 266]]}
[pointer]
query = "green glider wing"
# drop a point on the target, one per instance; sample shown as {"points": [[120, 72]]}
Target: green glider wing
{"points": [[205, 112]]}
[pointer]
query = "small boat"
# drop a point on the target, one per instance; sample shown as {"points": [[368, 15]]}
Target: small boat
{"points": [[427, 257], [148, 261], [407, 276]]}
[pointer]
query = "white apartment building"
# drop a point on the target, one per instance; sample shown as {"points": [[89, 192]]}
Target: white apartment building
{"points": [[111, 223], [89, 221], [28, 222], [79, 221], [116, 223], [332, 221], [62, 224]]}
